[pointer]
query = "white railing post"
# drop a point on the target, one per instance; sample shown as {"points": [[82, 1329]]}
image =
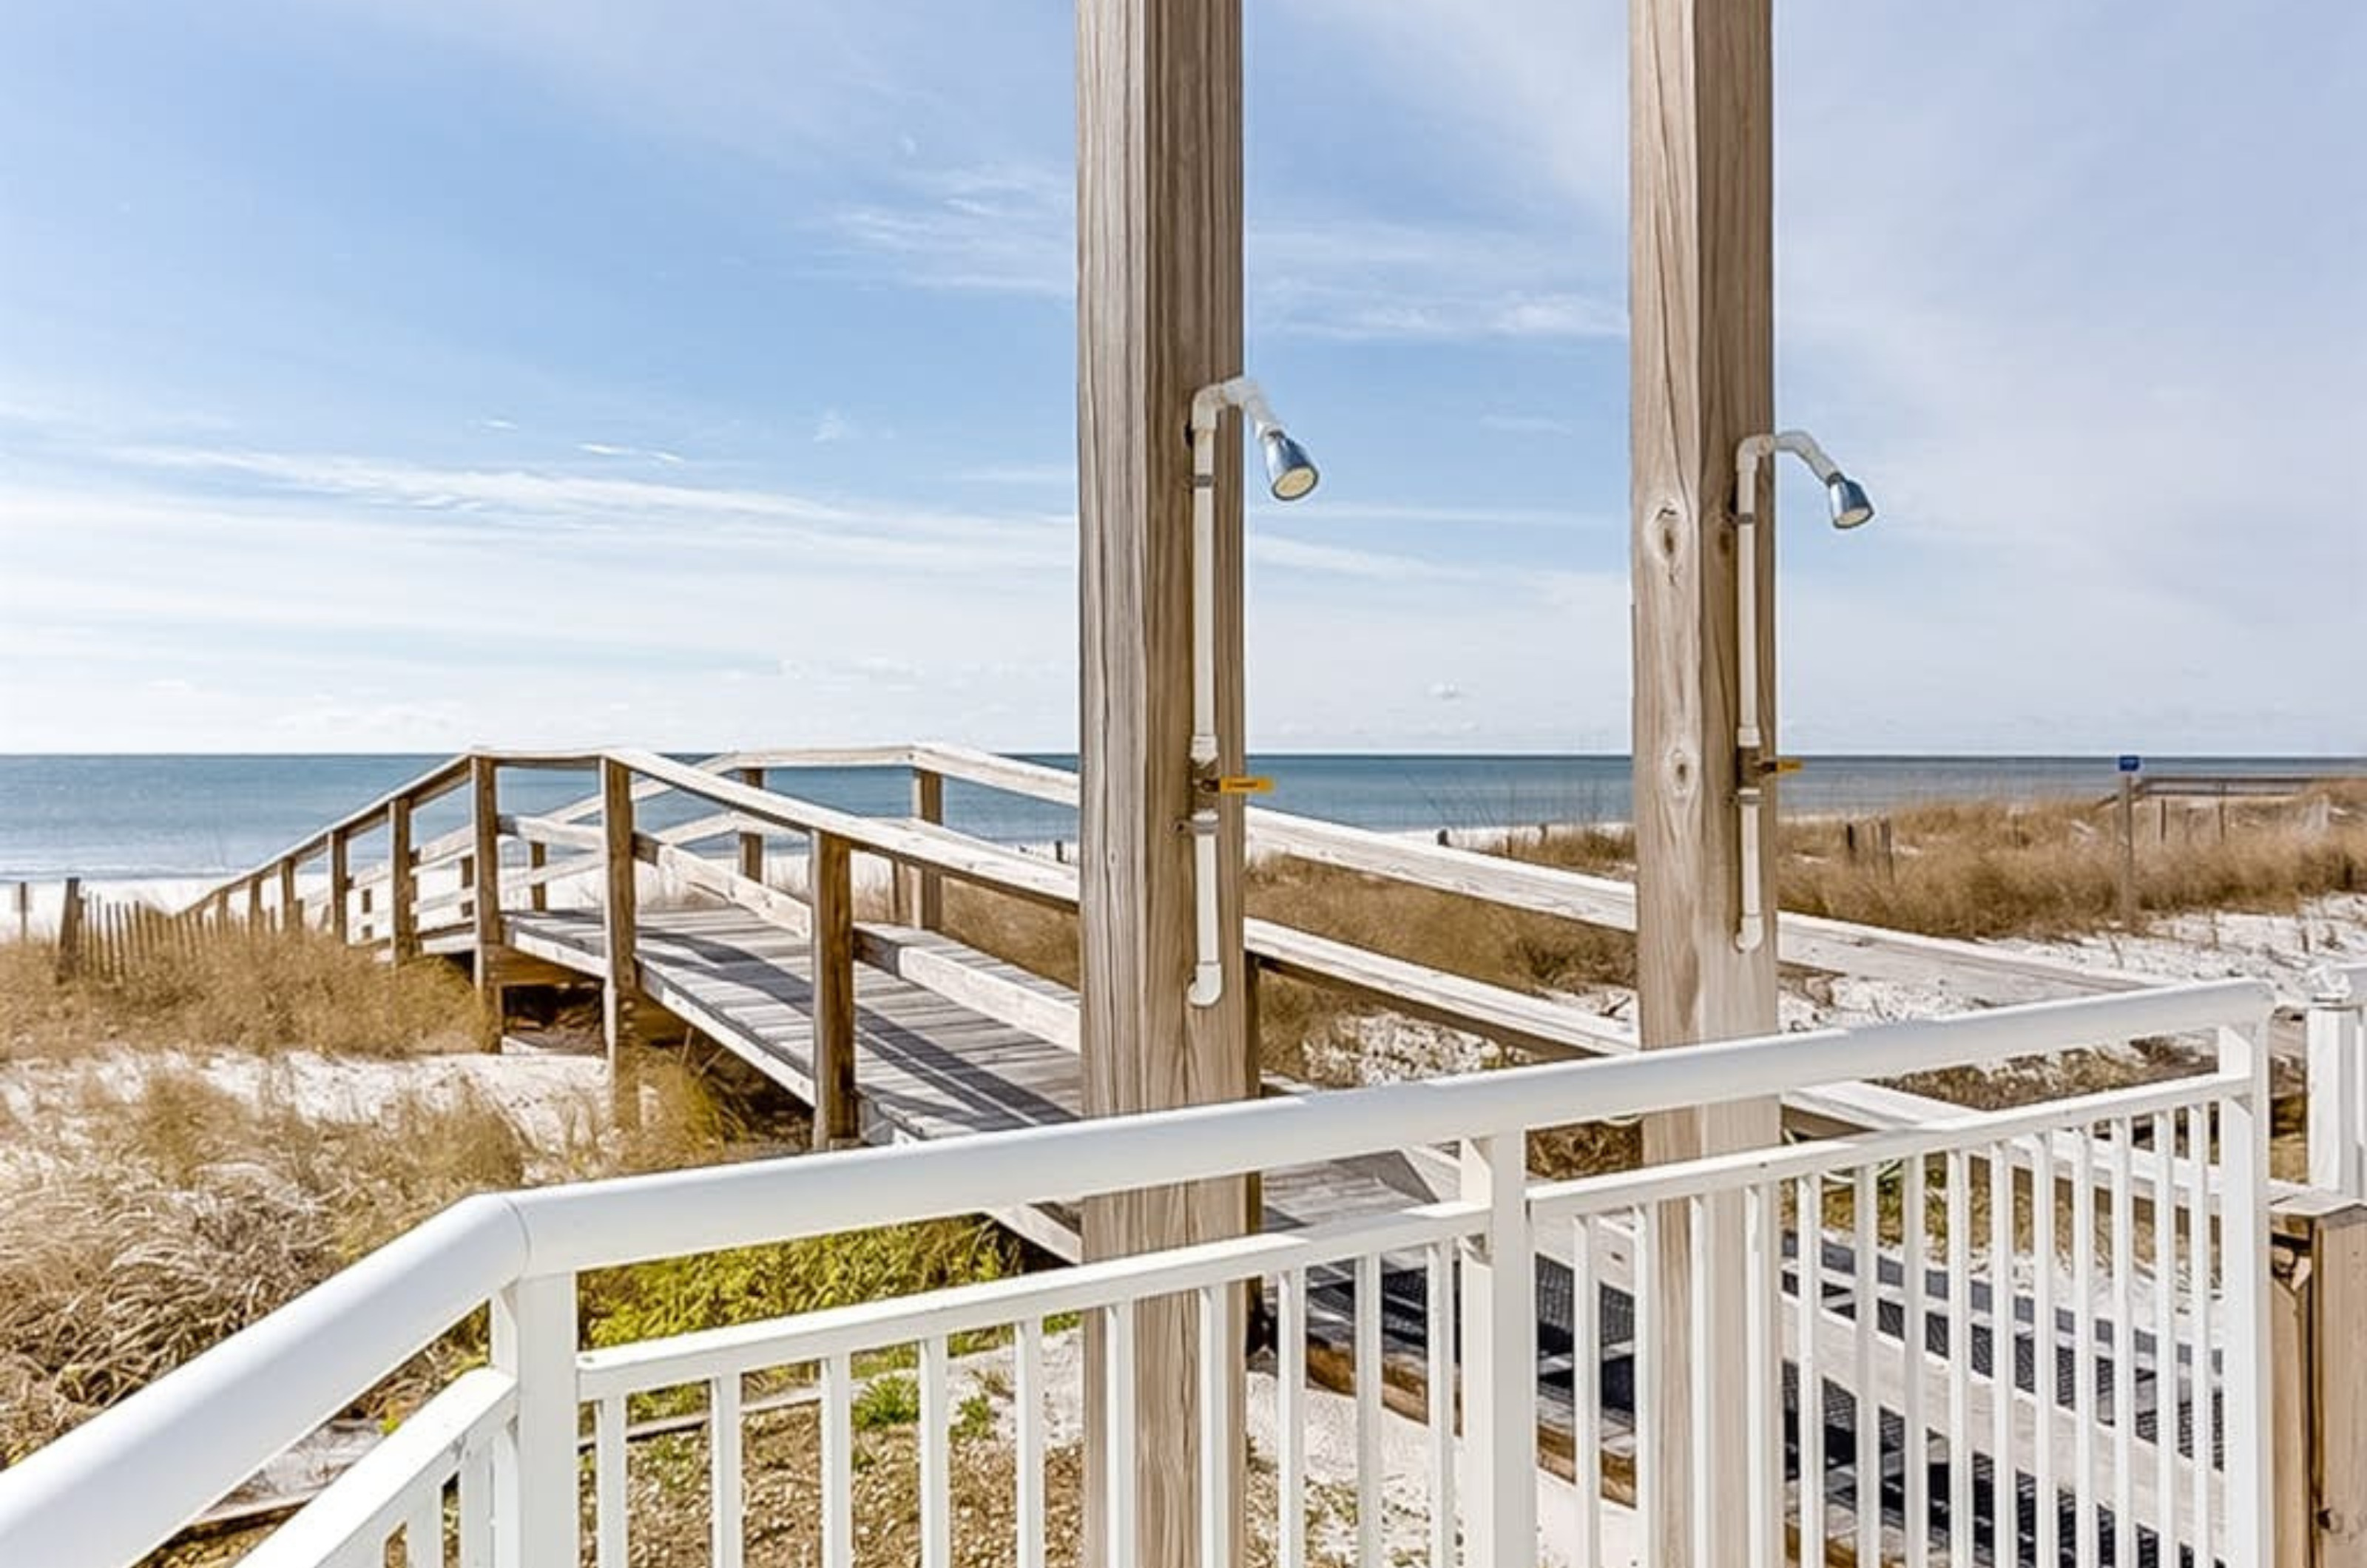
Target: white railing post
{"points": [[2338, 1081], [2244, 1372], [1498, 1324], [535, 1523]]}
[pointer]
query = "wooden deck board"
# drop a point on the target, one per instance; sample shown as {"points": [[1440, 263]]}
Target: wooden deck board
{"points": [[925, 1068]]}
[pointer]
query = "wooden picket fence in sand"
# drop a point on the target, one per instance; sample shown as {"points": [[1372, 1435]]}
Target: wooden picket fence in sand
{"points": [[99, 937]]}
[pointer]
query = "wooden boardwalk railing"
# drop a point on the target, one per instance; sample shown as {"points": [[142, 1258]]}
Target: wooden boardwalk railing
{"points": [[384, 904]]}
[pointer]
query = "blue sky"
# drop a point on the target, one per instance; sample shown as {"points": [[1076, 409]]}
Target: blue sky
{"points": [[382, 374]]}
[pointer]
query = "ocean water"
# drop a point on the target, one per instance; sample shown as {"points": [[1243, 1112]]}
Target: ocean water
{"points": [[143, 817]]}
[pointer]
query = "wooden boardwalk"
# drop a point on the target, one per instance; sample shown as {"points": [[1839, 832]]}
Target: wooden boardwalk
{"points": [[926, 1067]]}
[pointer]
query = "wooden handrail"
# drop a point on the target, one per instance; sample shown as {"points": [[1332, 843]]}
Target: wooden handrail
{"points": [[1808, 941], [433, 784]]}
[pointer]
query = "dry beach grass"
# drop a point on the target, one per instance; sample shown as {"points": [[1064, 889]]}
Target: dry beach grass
{"points": [[261, 990], [155, 1200], [1976, 870]]}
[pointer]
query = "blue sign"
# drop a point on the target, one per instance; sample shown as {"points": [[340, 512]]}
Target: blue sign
{"points": [[2130, 764]]}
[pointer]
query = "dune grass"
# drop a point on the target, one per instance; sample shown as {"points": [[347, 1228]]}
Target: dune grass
{"points": [[247, 989], [2053, 870], [1973, 871], [175, 1213], [163, 1217], [147, 1211]]}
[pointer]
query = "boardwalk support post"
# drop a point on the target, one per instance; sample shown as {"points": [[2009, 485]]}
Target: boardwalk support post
{"points": [[403, 882], [920, 894], [341, 881], [620, 991], [830, 887], [752, 845], [291, 903], [484, 785]]}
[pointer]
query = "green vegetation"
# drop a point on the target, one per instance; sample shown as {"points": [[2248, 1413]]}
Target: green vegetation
{"points": [[677, 1295], [892, 1399]]}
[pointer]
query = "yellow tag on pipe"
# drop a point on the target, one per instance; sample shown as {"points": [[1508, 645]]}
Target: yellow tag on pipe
{"points": [[1245, 784], [1785, 764]]}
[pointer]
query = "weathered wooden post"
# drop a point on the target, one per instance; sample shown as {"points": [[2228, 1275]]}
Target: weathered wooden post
{"points": [[70, 915], [291, 903], [341, 881], [920, 894], [537, 856], [2128, 851], [2318, 1403], [485, 785], [620, 992], [402, 882], [752, 845], [24, 911], [830, 892], [1701, 103], [1159, 316], [2337, 1363], [255, 902]]}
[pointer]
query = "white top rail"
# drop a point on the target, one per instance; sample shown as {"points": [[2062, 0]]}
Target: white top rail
{"points": [[632, 1219], [116, 1487], [121, 1483]]}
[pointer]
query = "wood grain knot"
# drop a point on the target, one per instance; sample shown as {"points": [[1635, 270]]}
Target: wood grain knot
{"points": [[1682, 772], [1667, 536]]}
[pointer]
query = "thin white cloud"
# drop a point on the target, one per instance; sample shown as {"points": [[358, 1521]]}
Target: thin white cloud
{"points": [[1348, 277], [1004, 229], [833, 427], [1062, 475], [1528, 423], [618, 515], [1331, 513], [611, 449]]}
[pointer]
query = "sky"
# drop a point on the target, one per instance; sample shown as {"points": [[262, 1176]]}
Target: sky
{"points": [[403, 374]]}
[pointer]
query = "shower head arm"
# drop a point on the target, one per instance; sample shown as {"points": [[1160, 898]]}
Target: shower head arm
{"points": [[1754, 450]]}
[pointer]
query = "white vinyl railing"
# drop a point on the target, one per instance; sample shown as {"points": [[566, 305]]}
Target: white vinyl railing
{"points": [[2068, 1296], [1919, 1271], [2336, 1061]]}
